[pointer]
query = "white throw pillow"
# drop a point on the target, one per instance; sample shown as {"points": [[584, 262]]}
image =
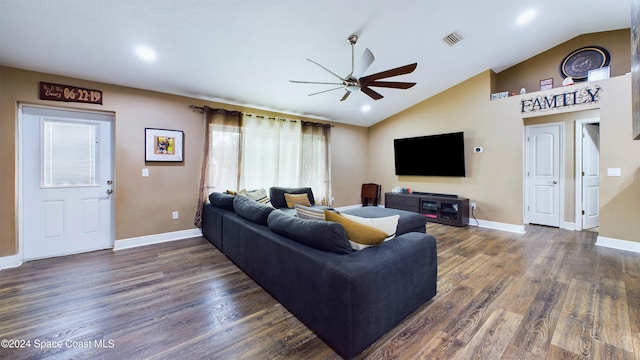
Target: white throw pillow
{"points": [[387, 224]]}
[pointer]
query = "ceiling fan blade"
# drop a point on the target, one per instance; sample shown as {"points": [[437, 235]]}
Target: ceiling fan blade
{"points": [[390, 73], [373, 94], [314, 82], [391, 84], [365, 61], [332, 73], [324, 91], [346, 95]]}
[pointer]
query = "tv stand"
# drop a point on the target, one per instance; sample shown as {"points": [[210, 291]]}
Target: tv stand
{"points": [[440, 208]]}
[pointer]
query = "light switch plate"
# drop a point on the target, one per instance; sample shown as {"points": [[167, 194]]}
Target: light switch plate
{"points": [[145, 172], [614, 172]]}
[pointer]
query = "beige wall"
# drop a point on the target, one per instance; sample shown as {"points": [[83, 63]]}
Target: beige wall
{"points": [[492, 176], [495, 177], [144, 205], [547, 64]]}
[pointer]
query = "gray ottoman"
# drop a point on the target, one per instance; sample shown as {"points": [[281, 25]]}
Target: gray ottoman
{"points": [[408, 222]]}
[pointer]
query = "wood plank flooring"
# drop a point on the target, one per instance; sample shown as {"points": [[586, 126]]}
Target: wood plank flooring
{"points": [[548, 294]]}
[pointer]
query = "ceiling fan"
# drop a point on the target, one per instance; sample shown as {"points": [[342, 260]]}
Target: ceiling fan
{"points": [[354, 82]]}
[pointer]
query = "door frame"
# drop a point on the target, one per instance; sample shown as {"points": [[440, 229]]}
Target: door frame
{"points": [[561, 179], [579, 128], [19, 159]]}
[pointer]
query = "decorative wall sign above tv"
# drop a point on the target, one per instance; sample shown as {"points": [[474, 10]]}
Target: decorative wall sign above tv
{"points": [[68, 93], [586, 95], [163, 145], [578, 63]]}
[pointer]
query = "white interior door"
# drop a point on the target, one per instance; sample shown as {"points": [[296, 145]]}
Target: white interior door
{"points": [[543, 174], [66, 172], [590, 175]]}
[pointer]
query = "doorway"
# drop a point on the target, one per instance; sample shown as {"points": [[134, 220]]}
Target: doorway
{"points": [[544, 154], [65, 182], [587, 173]]}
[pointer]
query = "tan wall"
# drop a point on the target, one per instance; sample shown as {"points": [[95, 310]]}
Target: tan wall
{"points": [[144, 205], [547, 64], [495, 177], [492, 176], [349, 163]]}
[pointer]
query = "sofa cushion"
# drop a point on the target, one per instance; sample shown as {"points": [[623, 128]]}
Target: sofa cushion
{"points": [[321, 235], [277, 195], [221, 200], [251, 210], [357, 232], [293, 199]]}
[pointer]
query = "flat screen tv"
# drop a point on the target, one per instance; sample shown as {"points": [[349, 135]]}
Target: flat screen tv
{"points": [[432, 155]]}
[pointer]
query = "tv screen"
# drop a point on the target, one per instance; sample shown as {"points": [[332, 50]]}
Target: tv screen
{"points": [[433, 155]]}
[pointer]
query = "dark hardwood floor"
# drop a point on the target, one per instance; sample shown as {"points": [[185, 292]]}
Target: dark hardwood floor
{"points": [[549, 294]]}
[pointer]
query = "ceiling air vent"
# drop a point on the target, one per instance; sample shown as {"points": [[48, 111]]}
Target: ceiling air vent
{"points": [[452, 38]]}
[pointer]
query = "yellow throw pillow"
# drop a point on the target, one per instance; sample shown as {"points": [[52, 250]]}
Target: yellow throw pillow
{"points": [[356, 232], [293, 199]]}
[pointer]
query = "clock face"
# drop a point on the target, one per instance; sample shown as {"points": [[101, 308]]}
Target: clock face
{"points": [[578, 63]]}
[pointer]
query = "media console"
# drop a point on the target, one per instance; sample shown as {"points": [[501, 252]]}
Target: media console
{"points": [[440, 208]]}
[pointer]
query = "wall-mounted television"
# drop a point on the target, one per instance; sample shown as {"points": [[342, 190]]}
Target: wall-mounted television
{"points": [[432, 155]]}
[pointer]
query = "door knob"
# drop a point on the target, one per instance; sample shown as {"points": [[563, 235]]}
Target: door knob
{"points": [[554, 182], [109, 191]]}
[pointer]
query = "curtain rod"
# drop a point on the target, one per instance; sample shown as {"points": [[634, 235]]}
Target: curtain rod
{"points": [[305, 123], [205, 108], [233, 112]]}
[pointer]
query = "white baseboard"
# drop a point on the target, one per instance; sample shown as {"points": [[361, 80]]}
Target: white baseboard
{"points": [[12, 261], [569, 226], [155, 239], [618, 244], [518, 229]]}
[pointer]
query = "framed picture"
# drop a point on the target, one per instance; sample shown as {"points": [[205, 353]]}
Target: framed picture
{"points": [[599, 74], [546, 84], [163, 145]]}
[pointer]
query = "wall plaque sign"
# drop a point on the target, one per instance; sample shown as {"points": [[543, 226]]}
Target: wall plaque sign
{"points": [[68, 93], [586, 95]]}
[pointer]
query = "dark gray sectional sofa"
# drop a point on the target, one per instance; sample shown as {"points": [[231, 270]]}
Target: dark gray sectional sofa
{"points": [[348, 298]]}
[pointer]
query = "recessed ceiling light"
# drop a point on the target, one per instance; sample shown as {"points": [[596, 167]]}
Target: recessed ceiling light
{"points": [[526, 17], [365, 108], [146, 53]]}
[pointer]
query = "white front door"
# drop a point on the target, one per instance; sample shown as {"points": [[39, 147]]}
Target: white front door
{"points": [[66, 172], [543, 174], [590, 175]]}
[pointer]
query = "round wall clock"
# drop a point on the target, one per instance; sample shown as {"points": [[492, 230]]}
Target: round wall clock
{"points": [[578, 63]]}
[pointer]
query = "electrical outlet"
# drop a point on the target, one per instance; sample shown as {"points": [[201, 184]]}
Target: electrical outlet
{"points": [[473, 206], [175, 215]]}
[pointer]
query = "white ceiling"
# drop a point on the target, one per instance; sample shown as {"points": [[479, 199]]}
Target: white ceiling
{"points": [[245, 52]]}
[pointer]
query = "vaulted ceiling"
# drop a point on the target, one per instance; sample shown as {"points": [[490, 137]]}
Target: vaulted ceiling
{"points": [[245, 52]]}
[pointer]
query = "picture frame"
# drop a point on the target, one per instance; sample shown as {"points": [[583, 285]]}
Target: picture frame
{"points": [[546, 84], [599, 74], [163, 145]]}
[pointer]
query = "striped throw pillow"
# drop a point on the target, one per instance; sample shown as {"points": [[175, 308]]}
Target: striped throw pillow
{"points": [[309, 213]]}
